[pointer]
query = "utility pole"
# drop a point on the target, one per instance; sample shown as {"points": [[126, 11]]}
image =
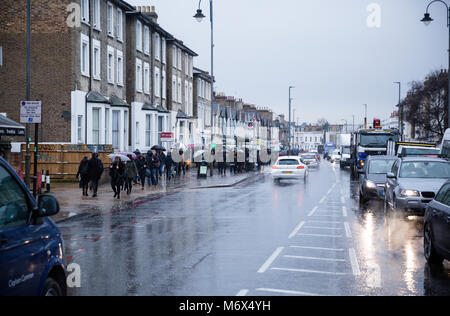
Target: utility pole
{"points": [[365, 116], [290, 101], [400, 109], [28, 97]]}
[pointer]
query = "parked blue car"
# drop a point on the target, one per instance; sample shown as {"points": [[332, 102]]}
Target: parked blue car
{"points": [[31, 246]]}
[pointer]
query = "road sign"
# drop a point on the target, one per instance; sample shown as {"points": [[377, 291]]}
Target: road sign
{"points": [[30, 112]]}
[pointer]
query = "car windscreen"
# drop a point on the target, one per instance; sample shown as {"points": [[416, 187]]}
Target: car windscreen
{"points": [[376, 140], [288, 162], [308, 157], [425, 170], [381, 166]]}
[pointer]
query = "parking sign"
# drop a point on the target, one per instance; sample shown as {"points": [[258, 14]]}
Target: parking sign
{"points": [[30, 112]]}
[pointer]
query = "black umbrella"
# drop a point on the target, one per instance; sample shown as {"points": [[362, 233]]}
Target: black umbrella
{"points": [[158, 147]]}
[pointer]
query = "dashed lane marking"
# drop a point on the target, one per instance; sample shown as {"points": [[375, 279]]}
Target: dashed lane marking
{"points": [[242, 293], [348, 232], [313, 211], [295, 231], [309, 271], [271, 259], [286, 292], [314, 258], [354, 262]]}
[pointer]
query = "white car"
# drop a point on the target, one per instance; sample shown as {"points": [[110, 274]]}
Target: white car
{"points": [[336, 156], [289, 167]]}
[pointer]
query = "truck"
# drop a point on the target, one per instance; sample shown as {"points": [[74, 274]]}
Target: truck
{"points": [[445, 145], [369, 142], [344, 141]]}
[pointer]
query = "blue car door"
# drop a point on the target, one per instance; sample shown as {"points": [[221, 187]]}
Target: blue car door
{"points": [[22, 258], [445, 222]]}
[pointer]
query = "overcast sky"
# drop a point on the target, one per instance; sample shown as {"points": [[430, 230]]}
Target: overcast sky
{"points": [[324, 48]]}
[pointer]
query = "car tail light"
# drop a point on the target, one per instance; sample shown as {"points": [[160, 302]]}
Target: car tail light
{"points": [[300, 167], [275, 167]]}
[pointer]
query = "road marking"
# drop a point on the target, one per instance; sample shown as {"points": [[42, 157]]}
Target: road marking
{"points": [[329, 191], [317, 227], [344, 211], [342, 199], [242, 293], [354, 262], [319, 235], [309, 271], [323, 200], [313, 211], [315, 258], [286, 292], [271, 259], [348, 232], [330, 215], [317, 248], [295, 231], [326, 222]]}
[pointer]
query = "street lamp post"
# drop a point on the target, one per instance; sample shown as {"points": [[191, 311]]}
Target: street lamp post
{"points": [[427, 20], [199, 16], [290, 101], [400, 109], [365, 116], [346, 123]]}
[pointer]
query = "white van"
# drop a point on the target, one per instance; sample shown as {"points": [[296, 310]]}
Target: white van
{"points": [[445, 145]]}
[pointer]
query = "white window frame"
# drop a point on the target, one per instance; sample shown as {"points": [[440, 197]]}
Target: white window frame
{"points": [[174, 88], [157, 85], [96, 69], [179, 91], [174, 56], [138, 134], [84, 41], [96, 14], [147, 76], [119, 24], [110, 19], [186, 94], [146, 40], [186, 64], [157, 46], [119, 64], [179, 59], [148, 130], [139, 72], [80, 120], [139, 36], [164, 83], [110, 69], [84, 11], [164, 45]]}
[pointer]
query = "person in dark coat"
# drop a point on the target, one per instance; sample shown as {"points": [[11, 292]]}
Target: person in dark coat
{"points": [[141, 164], [169, 164], [117, 174], [95, 171], [154, 168], [83, 175], [162, 160], [148, 158], [131, 173]]}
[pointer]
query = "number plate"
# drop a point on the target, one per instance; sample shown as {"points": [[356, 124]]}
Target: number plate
{"points": [[287, 172]]}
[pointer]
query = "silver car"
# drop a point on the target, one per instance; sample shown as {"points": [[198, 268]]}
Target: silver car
{"points": [[414, 182]]}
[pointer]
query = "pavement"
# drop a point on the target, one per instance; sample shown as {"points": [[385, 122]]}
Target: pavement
{"points": [[73, 204], [256, 238]]}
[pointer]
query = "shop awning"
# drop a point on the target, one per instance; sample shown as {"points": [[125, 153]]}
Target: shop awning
{"points": [[9, 127]]}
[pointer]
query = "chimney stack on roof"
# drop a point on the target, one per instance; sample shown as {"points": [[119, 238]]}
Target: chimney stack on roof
{"points": [[149, 12]]}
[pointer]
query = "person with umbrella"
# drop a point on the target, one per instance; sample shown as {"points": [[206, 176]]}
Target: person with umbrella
{"points": [[154, 168], [131, 172], [169, 164], [141, 164], [117, 174], [95, 171]]}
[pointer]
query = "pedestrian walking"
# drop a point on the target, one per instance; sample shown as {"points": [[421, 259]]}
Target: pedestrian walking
{"points": [[83, 175], [162, 160], [117, 174], [154, 168], [131, 173], [168, 164], [148, 173], [181, 164], [95, 171], [141, 164]]}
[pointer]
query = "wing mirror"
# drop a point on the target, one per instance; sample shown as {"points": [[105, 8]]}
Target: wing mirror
{"points": [[391, 175], [47, 206]]}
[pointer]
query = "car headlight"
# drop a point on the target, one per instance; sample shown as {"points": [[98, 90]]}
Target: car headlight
{"points": [[410, 193], [370, 184]]}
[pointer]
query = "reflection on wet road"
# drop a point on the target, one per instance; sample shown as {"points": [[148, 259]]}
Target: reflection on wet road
{"points": [[259, 238]]}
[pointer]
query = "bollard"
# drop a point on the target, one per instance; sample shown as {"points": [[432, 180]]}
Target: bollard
{"points": [[48, 181]]}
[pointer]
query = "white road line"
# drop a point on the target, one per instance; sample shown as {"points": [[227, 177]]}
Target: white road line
{"points": [[317, 248], [319, 235], [286, 292], [271, 259], [348, 232], [323, 200], [295, 231], [326, 222], [309, 271], [342, 199], [326, 228], [313, 211], [344, 211], [242, 293], [315, 258], [329, 191], [354, 262]]}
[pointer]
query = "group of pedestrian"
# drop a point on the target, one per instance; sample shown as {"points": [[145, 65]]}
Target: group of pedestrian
{"points": [[89, 172]]}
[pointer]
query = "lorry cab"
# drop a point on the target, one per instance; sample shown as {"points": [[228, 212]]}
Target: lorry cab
{"points": [[445, 145], [31, 246]]}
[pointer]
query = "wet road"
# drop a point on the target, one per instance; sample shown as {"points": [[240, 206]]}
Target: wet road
{"points": [[258, 238]]}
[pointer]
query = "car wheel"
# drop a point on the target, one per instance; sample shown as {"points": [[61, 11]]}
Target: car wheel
{"points": [[52, 288], [362, 199], [428, 247]]}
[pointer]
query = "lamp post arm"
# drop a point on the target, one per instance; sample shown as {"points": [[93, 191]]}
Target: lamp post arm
{"points": [[444, 3]]}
